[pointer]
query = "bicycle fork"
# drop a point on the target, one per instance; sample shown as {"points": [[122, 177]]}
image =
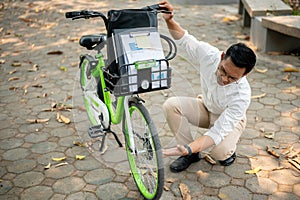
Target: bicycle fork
{"points": [[128, 122]]}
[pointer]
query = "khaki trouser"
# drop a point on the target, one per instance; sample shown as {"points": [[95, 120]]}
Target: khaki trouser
{"points": [[182, 111]]}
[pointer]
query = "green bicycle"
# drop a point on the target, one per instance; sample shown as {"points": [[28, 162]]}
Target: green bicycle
{"points": [[100, 78]]}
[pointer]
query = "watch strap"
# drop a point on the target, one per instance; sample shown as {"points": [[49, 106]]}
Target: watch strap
{"points": [[188, 149]]}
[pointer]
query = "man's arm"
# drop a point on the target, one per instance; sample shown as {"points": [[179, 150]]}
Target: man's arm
{"points": [[174, 27]]}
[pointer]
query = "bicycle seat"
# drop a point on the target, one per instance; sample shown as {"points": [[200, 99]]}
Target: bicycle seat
{"points": [[90, 41]]}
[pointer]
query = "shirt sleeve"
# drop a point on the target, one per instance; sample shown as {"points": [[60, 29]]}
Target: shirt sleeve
{"points": [[228, 119], [196, 50]]}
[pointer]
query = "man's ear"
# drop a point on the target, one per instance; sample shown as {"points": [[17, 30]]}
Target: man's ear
{"points": [[222, 55]]}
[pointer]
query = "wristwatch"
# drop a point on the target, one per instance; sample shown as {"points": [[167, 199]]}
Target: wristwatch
{"points": [[188, 149]]}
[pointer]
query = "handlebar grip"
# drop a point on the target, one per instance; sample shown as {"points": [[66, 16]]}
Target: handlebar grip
{"points": [[72, 14]]}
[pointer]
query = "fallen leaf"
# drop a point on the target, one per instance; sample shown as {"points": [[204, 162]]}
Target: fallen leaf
{"points": [[279, 168], [294, 163], [37, 120], [270, 135], [261, 70], [79, 157], [253, 171], [185, 192], [61, 164], [210, 160], [60, 118], [59, 159], [2, 61], [13, 78], [12, 72], [63, 68], [55, 52], [222, 196], [14, 88], [37, 86], [272, 152], [287, 78], [166, 188], [16, 64], [48, 166], [80, 144], [290, 69], [258, 96], [171, 180], [34, 68]]}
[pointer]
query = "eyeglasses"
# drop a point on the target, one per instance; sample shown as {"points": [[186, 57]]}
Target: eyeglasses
{"points": [[223, 73]]}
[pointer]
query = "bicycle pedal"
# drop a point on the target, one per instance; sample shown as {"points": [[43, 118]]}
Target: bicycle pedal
{"points": [[96, 131]]}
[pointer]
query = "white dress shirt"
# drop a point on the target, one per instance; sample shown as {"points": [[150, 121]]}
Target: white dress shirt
{"points": [[230, 101]]}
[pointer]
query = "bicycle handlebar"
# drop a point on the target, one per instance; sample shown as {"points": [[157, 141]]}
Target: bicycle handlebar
{"points": [[90, 14]]}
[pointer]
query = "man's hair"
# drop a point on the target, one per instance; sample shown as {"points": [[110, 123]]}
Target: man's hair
{"points": [[242, 56]]}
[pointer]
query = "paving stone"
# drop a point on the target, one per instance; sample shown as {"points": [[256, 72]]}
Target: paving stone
{"points": [[283, 195], [104, 191], [11, 143], [99, 176], [43, 147], [37, 193], [68, 185], [82, 195], [62, 132], [7, 133], [5, 186], [28, 179], [16, 154], [246, 150], [237, 171], [261, 185], [235, 193], [286, 138], [215, 179], [36, 137], [21, 166], [89, 163], [59, 172], [285, 177]]}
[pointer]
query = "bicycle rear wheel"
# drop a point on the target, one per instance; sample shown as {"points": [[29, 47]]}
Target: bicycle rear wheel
{"points": [[144, 152]]}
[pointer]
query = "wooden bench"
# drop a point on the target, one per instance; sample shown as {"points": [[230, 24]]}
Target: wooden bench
{"points": [[277, 33], [254, 8]]}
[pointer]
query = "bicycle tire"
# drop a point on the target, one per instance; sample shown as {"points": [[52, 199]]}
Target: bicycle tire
{"points": [[145, 160]]}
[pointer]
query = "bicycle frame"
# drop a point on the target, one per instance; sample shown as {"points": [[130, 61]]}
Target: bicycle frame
{"points": [[116, 115]]}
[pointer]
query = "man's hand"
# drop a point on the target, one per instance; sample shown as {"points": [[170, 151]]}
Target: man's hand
{"points": [[179, 150], [168, 7]]}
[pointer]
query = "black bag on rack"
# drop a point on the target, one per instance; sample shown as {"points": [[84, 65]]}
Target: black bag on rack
{"points": [[126, 19]]}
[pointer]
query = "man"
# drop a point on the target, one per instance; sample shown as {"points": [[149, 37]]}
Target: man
{"points": [[222, 108]]}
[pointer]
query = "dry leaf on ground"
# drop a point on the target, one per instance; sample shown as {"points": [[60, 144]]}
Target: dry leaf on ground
{"points": [[79, 157], [62, 119], [258, 96], [37, 120], [59, 159], [48, 166], [272, 152], [253, 171], [61, 164], [270, 135], [290, 69], [210, 159], [14, 78], [185, 191]]}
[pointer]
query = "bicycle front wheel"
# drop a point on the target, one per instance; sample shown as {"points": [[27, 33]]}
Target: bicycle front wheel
{"points": [[144, 152]]}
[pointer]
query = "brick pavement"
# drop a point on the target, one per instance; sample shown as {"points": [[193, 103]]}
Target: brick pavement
{"points": [[31, 29]]}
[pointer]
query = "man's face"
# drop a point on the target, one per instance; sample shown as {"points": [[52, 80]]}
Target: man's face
{"points": [[228, 73]]}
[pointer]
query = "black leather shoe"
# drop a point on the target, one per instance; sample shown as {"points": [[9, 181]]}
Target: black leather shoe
{"points": [[184, 162], [228, 161]]}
